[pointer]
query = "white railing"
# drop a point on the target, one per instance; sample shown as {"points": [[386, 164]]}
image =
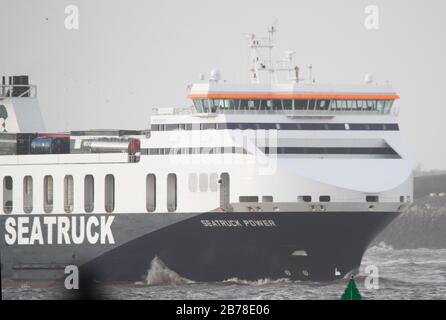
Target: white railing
{"points": [[13, 90], [292, 113], [301, 112], [173, 111]]}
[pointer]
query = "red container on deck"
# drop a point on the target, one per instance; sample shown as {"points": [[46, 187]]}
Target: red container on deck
{"points": [[54, 135], [134, 146]]}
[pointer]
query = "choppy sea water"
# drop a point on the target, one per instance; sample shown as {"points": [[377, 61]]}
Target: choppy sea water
{"points": [[403, 274]]}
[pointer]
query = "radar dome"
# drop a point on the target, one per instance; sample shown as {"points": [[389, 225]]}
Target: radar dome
{"points": [[214, 75]]}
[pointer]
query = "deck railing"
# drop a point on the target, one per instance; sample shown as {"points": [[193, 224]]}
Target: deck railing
{"points": [[18, 91]]}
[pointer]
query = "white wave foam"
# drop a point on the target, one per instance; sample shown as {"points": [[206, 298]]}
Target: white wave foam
{"points": [[159, 274], [382, 246], [258, 282]]}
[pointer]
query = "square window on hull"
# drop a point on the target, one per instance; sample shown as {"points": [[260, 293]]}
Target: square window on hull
{"points": [[304, 198], [249, 199], [324, 199], [372, 198]]}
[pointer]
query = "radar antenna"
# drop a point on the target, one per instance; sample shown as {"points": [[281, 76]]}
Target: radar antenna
{"points": [[258, 62], [261, 61]]}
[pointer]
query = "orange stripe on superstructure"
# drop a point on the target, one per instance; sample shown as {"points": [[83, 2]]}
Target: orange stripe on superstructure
{"points": [[291, 96]]}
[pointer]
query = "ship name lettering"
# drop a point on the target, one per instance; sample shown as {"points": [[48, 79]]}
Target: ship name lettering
{"points": [[59, 230], [238, 223]]}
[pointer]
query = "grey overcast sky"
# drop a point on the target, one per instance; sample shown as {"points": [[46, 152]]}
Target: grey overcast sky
{"points": [[129, 56]]}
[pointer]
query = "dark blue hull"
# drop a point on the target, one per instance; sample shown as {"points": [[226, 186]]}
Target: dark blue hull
{"points": [[218, 246]]}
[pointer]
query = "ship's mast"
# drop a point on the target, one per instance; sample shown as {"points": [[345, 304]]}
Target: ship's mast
{"points": [[259, 63]]}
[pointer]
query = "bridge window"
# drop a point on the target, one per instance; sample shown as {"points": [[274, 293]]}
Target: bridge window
{"points": [[48, 194], [300, 104], [350, 104], [341, 105], [287, 104], [7, 194], [89, 193], [237, 104], [371, 105], [223, 105], [171, 192], [28, 194], [322, 104], [205, 105], [254, 104], [311, 104], [198, 103], [263, 105], [150, 192], [68, 194], [384, 106], [109, 193], [229, 104], [387, 106], [277, 104], [234, 104]]}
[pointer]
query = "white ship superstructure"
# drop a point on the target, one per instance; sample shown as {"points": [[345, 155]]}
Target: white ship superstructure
{"points": [[265, 179]]}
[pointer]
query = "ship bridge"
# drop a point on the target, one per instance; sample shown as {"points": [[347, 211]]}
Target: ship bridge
{"points": [[298, 94], [215, 97]]}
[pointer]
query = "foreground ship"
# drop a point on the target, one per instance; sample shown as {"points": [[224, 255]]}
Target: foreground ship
{"points": [[263, 180]]}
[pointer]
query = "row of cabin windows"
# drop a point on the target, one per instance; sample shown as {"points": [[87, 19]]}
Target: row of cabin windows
{"points": [[307, 198], [48, 193], [198, 150], [214, 105], [276, 126], [203, 182], [89, 195], [200, 182], [172, 200], [270, 199], [273, 150]]}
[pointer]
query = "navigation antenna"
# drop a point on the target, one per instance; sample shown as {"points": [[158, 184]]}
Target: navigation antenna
{"points": [[258, 61]]}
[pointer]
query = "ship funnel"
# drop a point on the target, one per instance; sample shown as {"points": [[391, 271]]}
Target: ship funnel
{"points": [[19, 107]]}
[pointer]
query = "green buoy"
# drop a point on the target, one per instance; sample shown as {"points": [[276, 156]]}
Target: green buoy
{"points": [[351, 292]]}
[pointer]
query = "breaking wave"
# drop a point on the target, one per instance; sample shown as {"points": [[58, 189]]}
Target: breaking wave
{"points": [[257, 282], [159, 274], [380, 247]]}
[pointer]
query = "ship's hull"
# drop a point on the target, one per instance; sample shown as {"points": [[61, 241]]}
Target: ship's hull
{"points": [[316, 246]]}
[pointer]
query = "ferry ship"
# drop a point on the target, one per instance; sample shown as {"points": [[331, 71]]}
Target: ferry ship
{"points": [[269, 179]]}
